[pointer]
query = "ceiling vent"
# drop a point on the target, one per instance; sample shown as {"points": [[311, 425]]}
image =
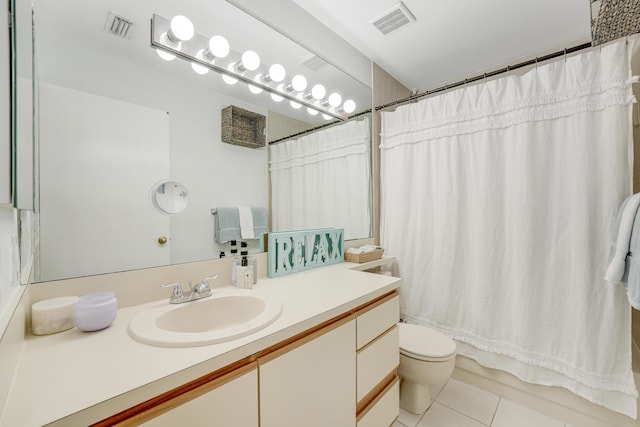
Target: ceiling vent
{"points": [[398, 16], [313, 62], [118, 26]]}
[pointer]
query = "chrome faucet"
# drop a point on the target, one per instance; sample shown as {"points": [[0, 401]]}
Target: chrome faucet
{"points": [[195, 292]]}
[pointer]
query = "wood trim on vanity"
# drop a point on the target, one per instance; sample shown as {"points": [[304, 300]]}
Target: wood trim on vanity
{"points": [[295, 342], [377, 302], [165, 402], [378, 392], [173, 398]]}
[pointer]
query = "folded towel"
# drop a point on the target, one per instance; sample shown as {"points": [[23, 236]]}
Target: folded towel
{"points": [[246, 222], [260, 225], [624, 267], [622, 238], [226, 225]]}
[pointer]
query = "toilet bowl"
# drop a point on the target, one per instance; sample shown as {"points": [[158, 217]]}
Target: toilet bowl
{"points": [[426, 357]]}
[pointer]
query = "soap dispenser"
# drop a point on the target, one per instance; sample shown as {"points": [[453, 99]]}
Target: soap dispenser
{"points": [[245, 274], [244, 253]]}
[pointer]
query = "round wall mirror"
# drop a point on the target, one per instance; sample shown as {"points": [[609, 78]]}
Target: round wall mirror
{"points": [[170, 197]]}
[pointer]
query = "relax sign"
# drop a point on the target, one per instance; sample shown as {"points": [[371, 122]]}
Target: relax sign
{"points": [[293, 251]]}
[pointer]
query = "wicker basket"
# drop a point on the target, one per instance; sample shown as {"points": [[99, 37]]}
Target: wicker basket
{"points": [[366, 257]]}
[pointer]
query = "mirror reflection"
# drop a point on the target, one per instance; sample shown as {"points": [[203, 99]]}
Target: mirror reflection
{"points": [[170, 197], [115, 119]]}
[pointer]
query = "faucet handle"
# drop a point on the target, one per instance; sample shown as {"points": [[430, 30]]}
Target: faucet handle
{"points": [[177, 290], [204, 283]]}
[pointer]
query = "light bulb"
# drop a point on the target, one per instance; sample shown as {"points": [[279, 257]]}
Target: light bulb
{"points": [[326, 116], [275, 96], [312, 112], [219, 46], [295, 105], [349, 106], [335, 99], [200, 69], [165, 55], [299, 83], [318, 91], [255, 89], [228, 79], [250, 60], [277, 73], [181, 28]]}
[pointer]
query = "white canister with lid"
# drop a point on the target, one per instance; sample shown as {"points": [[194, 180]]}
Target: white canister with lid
{"points": [[95, 311]]}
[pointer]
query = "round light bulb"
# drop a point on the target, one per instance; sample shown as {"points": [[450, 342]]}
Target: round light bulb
{"points": [[318, 91], [228, 79], [326, 116], [335, 99], [255, 89], [200, 69], [219, 46], [277, 73], [299, 83], [165, 55], [295, 105], [312, 112], [349, 106], [250, 60], [182, 28], [276, 97]]}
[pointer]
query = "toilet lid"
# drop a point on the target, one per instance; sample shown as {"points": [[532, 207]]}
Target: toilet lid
{"points": [[424, 342]]}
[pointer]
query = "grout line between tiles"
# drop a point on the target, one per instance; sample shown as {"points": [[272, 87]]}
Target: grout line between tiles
{"points": [[455, 410]]}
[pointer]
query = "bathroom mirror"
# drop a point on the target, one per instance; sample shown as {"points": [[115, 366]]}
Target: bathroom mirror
{"points": [[136, 120], [170, 197]]}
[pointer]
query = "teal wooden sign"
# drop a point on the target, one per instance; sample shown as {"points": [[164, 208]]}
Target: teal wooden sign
{"points": [[294, 251]]}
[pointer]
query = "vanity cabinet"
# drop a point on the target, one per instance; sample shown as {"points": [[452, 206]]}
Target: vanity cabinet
{"points": [[228, 397], [311, 382], [230, 401], [342, 372], [377, 360]]}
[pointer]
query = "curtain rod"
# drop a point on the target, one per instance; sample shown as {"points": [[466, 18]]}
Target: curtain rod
{"points": [[483, 76], [322, 126]]}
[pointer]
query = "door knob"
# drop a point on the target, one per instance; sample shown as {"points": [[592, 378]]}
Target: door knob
{"points": [[162, 240]]}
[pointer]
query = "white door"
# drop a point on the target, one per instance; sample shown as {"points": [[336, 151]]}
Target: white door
{"points": [[99, 159]]}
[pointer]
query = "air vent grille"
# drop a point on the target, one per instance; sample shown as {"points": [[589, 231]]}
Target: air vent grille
{"points": [[398, 16], [118, 25], [313, 62]]}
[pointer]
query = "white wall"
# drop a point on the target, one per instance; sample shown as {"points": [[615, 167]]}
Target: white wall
{"points": [[217, 174], [9, 259]]}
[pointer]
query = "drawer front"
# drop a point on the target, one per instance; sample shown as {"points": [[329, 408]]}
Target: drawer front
{"points": [[376, 361], [384, 411], [376, 320]]}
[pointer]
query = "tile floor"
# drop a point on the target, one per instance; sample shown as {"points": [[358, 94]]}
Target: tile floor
{"points": [[457, 404]]}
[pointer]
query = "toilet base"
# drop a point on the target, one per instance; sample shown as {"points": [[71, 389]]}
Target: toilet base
{"points": [[414, 397]]}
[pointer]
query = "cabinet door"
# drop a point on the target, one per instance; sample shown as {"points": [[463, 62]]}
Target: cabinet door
{"points": [[311, 382], [233, 402]]}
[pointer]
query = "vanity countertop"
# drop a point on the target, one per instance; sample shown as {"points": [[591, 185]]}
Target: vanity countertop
{"points": [[76, 378]]}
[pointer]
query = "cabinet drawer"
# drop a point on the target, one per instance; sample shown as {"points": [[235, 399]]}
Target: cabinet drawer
{"points": [[374, 321], [383, 411], [375, 361]]}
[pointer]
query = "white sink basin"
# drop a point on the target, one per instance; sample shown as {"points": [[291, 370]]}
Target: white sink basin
{"points": [[224, 316]]}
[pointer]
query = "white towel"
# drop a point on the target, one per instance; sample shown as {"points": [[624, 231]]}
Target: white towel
{"points": [[615, 271], [246, 222]]}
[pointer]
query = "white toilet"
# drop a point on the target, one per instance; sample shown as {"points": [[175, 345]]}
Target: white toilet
{"points": [[426, 357]]}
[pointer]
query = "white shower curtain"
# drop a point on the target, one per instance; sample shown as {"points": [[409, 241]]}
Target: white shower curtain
{"points": [[498, 202], [322, 180]]}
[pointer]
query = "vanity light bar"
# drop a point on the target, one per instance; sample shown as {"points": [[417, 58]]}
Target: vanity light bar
{"points": [[188, 49]]}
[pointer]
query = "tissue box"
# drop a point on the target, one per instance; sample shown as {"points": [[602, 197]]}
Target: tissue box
{"points": [[366, 257]]}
